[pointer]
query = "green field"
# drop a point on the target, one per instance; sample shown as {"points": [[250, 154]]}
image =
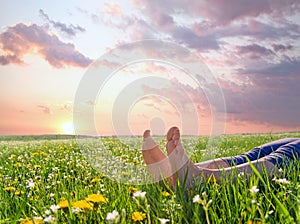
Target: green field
{"points": [[50, 179]]}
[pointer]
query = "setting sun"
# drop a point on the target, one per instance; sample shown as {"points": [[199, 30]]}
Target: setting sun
{"points": [[68, 128]]}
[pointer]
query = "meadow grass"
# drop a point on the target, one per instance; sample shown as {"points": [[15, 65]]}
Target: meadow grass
{"points": [[54, 181]]}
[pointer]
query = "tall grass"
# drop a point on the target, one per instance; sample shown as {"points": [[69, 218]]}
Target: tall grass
{"points": [[36, 176]]}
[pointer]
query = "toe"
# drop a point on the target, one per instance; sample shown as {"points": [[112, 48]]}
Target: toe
{"points": [[170, 133], [146, 134]]}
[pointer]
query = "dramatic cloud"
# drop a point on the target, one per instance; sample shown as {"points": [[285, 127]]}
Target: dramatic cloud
{"points": [[284, 69], [254, 51], [273, 95], [281, 47], [191, 40], [70, 30], [220, 13], [21, 39]]}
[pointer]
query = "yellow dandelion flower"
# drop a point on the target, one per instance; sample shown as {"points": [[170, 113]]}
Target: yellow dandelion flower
{"points": [[34, 154], [65, 204], [132, 189], [165, 194], [96, 198], [138, 216], [83, 204], [9, 189], [18, 164], [254, 222], [19, 192], [37, 166], [95, 180], [12, 156], [33, 221]]}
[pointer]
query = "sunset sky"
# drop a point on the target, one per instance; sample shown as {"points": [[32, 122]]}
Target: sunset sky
{"points": [[66, 64]]}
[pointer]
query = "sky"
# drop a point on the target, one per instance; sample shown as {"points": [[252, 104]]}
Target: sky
{"points": [[120, 67]]}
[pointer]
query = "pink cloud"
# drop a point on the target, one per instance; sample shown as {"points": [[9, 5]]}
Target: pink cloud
{"points": [[71, 30], [45, 109], [21, 39], [112, 9], [219, 12], [254, 51]]}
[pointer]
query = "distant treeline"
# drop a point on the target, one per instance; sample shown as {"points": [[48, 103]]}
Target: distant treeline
{"points": [[40, 137]]}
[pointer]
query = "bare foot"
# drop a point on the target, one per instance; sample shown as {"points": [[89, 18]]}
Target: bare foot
{"points": [[173, 139], [150, 150], [157, 162], [146, 134]]}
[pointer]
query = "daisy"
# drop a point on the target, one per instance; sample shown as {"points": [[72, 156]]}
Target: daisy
{"points": [[111, 216], [163, 221], [254, 190], [139, 194], [196, 199]]}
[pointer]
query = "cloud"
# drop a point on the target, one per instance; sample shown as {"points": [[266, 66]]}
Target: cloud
{"points": [[271, 95], [220, 13], [281, 47], [112, 9], [254, 51], [9, 59], [45, 109], [189, 38], [283, 69], [71, 30], [21, 39]]}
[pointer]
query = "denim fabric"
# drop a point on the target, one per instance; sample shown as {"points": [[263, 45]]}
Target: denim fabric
{"points": [[280, 153]]}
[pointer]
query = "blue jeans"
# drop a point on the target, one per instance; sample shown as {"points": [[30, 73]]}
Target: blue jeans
{"points": [[281, 153]]}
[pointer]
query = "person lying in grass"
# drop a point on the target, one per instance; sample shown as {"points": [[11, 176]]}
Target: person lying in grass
{"points": [[176, 165]]}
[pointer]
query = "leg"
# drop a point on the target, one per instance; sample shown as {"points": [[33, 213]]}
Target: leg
{"points": [[183, 169], [285, 155], [246, 168], [213, 164], [157, 162], [258, 152], [173, 139], [252, 155]]}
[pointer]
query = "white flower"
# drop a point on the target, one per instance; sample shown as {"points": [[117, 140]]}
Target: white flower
{"points": [[281, 181], [139, 194], [54, 208], [254, 190], [253, 201], [47, 212], [111, 216], [209, 202], [269, 213], [49, 219], [30, 184], [76, 210], [52, 195], [163, 221], [241, 174], [196, 198]]}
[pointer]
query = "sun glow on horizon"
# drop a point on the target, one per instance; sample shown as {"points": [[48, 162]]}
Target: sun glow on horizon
{"points": [[68, 128]]}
